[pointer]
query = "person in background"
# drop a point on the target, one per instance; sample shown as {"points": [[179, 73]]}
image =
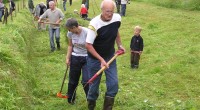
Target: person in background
{"points": [[31, 6], [47, 2], [76, 58], [123, 7], [64, 4], [1, 10], [39, 10], [83, 11], [136, 46], [118, 3], [12, 6], [100, 43], [86, 3], [55, 16]]}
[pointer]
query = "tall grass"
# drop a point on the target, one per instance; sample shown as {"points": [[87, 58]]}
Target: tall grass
{"points": [[7, 1], [183, 4], [16, 78]]}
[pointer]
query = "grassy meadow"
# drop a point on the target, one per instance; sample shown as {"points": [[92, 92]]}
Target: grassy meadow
{"points": [[167, 79], [183, 4]]}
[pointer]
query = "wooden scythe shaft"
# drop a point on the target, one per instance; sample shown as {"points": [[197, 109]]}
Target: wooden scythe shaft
{"points": [[102, 69], [50, 23], [119, 52], [109, 62]]}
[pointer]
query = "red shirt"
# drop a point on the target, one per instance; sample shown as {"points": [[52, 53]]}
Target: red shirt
{"points": [[83, 11]]}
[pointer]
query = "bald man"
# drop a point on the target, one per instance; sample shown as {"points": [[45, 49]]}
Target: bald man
{"points": [[100, 42], [55, 16]]}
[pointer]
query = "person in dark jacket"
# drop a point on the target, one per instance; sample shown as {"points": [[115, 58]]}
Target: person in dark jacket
{"points": [[118, 3], [64, 4], [31, 6], [39, 10], [12, 6], [136, 46]]}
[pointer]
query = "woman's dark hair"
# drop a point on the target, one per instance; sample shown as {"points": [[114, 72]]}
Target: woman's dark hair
{"points": [[71, 22]]}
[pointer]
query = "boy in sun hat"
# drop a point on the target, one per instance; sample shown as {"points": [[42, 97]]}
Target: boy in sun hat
{"points": [[136, 46]]}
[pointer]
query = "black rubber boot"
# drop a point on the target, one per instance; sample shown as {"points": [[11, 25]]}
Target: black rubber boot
{"points": [[71, 92], [91, 104], [108, 103], [58, 45], [71, 101]]}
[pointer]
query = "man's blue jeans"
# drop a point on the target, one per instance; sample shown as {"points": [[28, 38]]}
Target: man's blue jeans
{"points": [[64, 5], [87, 4], [1, 14], [111, 78], [123, 9], [53, 31]]}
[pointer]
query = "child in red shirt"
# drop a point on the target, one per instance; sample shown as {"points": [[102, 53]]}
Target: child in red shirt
{"points": [[83, 11]]}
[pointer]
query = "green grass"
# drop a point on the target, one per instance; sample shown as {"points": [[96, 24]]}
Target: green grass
{"points": [[168, 76], [182, 4]]}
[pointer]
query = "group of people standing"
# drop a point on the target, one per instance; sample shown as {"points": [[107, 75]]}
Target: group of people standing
{"points": [[2, 8], [89, 49]]}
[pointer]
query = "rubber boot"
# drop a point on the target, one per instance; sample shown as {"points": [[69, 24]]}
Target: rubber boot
{"points": [[91, 104], [58, 45], [71, 100], [108, 103]]}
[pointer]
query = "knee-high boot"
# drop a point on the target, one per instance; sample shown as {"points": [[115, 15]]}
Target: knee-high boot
{"points": [[108, 103], [58, 45]]}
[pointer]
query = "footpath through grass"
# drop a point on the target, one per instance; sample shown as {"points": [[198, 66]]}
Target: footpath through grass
{"points": [[168, 76]]}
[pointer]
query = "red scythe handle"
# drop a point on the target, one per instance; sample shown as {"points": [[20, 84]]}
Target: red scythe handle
{"points": [[119, 52]]}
